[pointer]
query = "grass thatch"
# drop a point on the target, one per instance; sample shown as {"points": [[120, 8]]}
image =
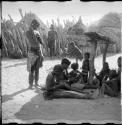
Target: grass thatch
{"points": [[15, 42]]}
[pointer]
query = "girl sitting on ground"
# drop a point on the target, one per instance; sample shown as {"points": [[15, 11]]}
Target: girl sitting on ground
{"points": [[102, 76], [110, 86], [73, 75], [76, 79], [99, 78], [119, 61]]}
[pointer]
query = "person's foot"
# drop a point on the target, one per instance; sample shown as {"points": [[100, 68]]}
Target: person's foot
{"points": [[37, 85], [47, 97], [43, 88], [30, 87], [95, 94]]}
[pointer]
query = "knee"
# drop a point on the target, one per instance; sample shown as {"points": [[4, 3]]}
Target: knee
{"points": [[37, 72], [31, 74]]}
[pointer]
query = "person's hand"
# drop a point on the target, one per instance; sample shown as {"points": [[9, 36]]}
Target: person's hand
{"points": [[67, 86], [62, 83], [94, 71]]}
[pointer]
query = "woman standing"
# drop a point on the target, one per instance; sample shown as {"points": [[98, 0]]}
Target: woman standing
{"points": [[35, 55]]}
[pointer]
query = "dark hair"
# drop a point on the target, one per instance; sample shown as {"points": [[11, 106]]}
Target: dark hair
{"points": [[35, 22], [57, 68], [87, 54], [105, 63], [65, 61], [113, 73], [74, 66], [119, 58], [51, 26]]}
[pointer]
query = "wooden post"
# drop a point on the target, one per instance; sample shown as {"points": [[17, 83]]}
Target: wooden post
{"points": [[77, 60], [105, 52], [92, 57]]}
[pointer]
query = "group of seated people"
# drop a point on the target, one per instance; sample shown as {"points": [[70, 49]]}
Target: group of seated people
{"points": [[61, 84]]}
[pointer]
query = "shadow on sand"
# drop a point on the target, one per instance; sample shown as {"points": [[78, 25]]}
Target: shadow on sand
{"points": [[14, 65], [10, 97], [38, 109]]}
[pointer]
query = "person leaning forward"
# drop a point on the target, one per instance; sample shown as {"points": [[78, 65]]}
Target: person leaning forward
{"points": [[55, 88], [35, 55]]}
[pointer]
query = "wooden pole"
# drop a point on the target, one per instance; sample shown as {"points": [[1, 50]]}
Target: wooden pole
{"points": [[105, 52], [91, 66]]}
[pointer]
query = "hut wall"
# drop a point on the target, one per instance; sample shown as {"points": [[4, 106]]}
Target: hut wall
{"points": [[85, 49]]}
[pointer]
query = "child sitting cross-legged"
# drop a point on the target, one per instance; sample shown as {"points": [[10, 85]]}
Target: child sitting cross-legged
{"points": [[76, 78]]}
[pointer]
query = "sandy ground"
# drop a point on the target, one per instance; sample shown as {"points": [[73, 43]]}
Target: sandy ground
{"points": [[22, 105]]}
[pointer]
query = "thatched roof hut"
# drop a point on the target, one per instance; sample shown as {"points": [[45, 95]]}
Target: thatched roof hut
{"points": [[109, 26], [96, 37], [77, 29], [27, 19], [75, 33]]}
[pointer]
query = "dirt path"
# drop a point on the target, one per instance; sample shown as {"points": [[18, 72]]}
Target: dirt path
{"points": [[27, 106]]}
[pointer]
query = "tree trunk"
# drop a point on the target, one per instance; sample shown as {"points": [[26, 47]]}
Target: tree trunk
{"points": [[92, 57], [105, 52], [77, 60]]}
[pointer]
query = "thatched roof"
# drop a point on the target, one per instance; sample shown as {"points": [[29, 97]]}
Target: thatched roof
{"points": [[75, 34], [27, 19], [111, 20], [77, 29], [8, 24], [109, 26], [96, 37]]}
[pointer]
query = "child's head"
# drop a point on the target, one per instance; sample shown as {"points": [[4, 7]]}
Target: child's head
{"points": [[74, 66], [112, 74], [57, 70], [65, 63], [86, 55], [105, 66], [119, 61]]}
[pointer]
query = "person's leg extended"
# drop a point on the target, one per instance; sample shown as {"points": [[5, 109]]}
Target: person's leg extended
{"points": [[72, 94], [108, 90]]}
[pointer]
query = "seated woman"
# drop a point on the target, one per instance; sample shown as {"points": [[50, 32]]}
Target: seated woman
{"points": [[119, 61], [102, 76], [110, 87], [113, 86], [97, 81], [55, 87], [104, 73]]}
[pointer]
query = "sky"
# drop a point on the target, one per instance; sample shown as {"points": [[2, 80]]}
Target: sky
{"points": [[90, 12]]}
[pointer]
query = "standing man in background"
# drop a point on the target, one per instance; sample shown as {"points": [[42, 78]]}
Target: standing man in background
{"points": [[52, 37], [35, 55]]}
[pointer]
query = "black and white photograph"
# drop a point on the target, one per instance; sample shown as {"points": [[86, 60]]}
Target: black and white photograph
{"points": [[61, 62]]}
